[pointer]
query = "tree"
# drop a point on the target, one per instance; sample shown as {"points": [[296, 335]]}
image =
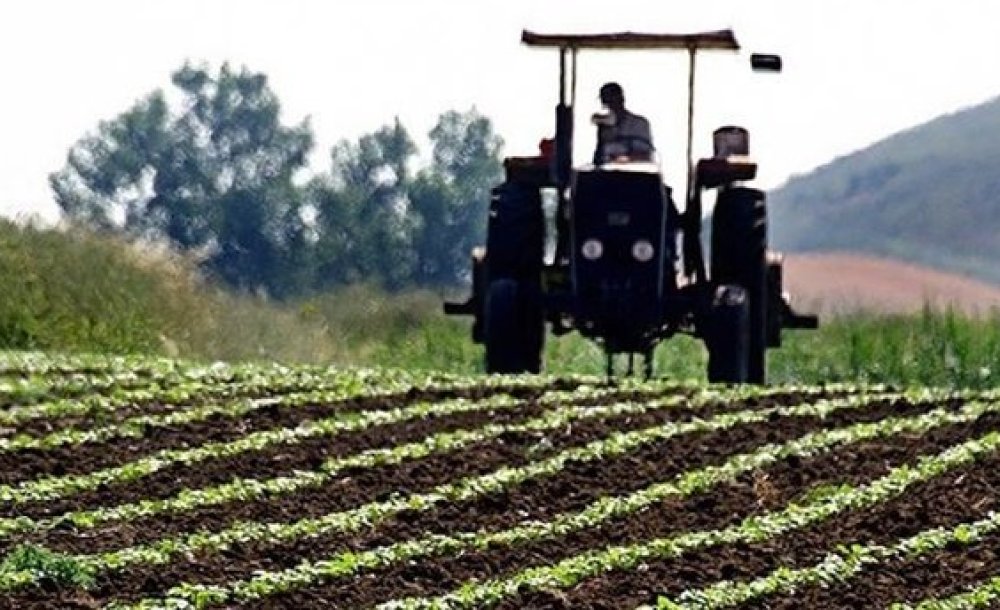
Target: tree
{"points": [[362, 207], [378, 222], [215, 177], [450, 198]]}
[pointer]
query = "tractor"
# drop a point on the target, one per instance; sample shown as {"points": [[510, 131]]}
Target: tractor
{"points": [[603, 250]]}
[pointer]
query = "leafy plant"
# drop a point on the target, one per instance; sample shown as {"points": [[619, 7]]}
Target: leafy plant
{"points": [[46, 567]]}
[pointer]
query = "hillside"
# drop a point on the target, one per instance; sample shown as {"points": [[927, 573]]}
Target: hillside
{"points": [[930, 195], [844, 282]]}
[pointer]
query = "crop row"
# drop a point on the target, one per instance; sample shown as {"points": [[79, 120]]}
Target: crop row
{"points": [[41, 363], [56, 487], [599, 512], [469, 488], [247, 489], [573, 570], [138, 426], [226, 382], [842, 565], [30, 390], [372, 513], [98, 407], [234, 382], [117, 384], [51, 488]]}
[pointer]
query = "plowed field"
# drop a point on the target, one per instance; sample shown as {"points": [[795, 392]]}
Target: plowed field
{"points": [[156, 484]]}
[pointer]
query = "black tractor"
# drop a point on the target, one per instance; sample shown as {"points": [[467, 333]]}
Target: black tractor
{"points": [[603, 249]]}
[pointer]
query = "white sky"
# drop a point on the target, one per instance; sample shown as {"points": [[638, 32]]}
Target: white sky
{"points": [[855, 70]]}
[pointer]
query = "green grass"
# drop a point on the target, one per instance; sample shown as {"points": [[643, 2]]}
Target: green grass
{"points": [[70, 290], [73, 291], [940, 348]]}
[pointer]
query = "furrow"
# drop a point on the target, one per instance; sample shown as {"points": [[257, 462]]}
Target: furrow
{"points": [[65, 486], [232, 382], [985, 594], [246, 490], [50, 488], [569, 572], [841, 566], [618, 444]]}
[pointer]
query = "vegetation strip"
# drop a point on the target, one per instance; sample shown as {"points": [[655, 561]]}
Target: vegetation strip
{"points": [[31, 390], [50, 488], [41, 363], [372, 513], [842, 565], [137, 427], [983, 595], [249, 489], [245, 490], [61, 487], [164, 550], [369, 515], [209, 383], [175, 397], [573, 570], [362, 383], [34, 387]]}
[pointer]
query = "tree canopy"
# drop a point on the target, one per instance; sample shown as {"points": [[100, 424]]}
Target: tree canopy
{"points": [[221, 176]]}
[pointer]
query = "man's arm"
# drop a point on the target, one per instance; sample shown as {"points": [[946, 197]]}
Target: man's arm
{"points": [[644, 132]]}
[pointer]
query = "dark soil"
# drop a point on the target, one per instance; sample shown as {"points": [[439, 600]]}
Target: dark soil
{"points": [[209, 394], [307, 454], [73, 459], [726, 505], [971, 495], [354, 488], [965, 494], [573, 488], [234, 390]]}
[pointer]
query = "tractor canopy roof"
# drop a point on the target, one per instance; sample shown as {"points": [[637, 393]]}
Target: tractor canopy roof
{"points": [[721, 40]]}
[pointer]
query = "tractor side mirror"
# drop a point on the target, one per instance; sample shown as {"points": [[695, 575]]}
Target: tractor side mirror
{"points": [[765, 62]]}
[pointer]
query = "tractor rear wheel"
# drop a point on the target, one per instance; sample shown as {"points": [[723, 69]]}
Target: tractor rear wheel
{"points": [[739, 257], [514, 327], [728, 336]]}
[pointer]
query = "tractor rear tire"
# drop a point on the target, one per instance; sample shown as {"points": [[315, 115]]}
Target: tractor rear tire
{"points": [[514, 327], [739, 257], [728, 336]]}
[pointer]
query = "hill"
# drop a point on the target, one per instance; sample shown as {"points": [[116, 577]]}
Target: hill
{"points": [[844, 282], [930, 194]]}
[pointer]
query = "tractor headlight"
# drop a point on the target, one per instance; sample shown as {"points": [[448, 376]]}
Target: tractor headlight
{"points": [[643, 251], [592, 249]]}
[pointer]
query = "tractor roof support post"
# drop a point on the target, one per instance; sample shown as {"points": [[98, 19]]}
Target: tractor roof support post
{"points": [[572, 90], [564, 119], [690, 127], [562, 76]]}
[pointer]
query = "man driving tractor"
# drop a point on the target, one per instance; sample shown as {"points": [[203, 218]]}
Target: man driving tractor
{"points": [[620, 133]]}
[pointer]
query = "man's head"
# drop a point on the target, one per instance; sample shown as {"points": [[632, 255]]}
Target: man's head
{"points": [[613, 96]]}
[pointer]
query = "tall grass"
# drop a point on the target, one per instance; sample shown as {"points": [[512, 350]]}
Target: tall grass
{"points": [[74, 291], [933, 347], [71, 290]]}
